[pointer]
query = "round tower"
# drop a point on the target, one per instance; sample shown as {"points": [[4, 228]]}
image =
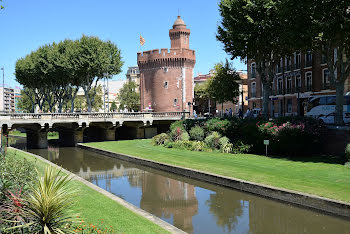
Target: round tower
{"points": [[166, 77]]}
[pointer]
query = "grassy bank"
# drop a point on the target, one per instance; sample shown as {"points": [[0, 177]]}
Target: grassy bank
{"points": [[319, 178], [97, 209]]}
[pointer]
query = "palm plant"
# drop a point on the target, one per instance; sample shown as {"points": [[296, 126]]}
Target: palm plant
{"points": [[48, 205]]}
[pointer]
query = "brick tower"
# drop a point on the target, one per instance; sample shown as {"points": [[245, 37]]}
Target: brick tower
{"points": [[166, 78]]}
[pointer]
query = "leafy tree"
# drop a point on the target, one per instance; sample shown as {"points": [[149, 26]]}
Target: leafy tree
{"points": [[27, 101], [95, 59], [113, 107], [128, 96], [201, 95], [260, 30], [223, 86], [330, 32]]}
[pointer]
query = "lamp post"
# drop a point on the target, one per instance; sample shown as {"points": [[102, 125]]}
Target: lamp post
{"points": [[3, 89]]}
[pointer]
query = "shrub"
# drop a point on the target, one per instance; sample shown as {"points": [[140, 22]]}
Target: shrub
{"points": [[198, 146], [177, 124], [213, 140], [183, 144], [223, 141], [347, 151], [160, 139], [347, 164], [197, 133], [179, 134], [218, 125], [226, 148], [241, 148]]}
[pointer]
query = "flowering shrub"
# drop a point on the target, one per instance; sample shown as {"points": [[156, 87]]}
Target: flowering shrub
{"points": [[198, 146], [197, 133], [218, 125], [179, 134], [213, 140], [82, 227], [160, 139], [226, 148]]}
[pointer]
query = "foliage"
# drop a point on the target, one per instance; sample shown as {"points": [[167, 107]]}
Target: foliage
{"points": [[218, 125], [201, 96], [213, 140], [15, 175], [128, 96], [83, 227], [241, 148], [113, 107], [183, 144], [160, 139], [347, 151], [54, 72], [198, 146], [197, 133], [347, 164], [226, 148], [177, 124], [223, 86], [223, 141], [49, 202], [27, 101]]}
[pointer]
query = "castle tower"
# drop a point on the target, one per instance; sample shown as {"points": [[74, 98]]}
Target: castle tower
{"points": [[166, 77]]}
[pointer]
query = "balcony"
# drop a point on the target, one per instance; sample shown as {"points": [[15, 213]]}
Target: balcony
{"points": [[253, 95], [253, 75]]}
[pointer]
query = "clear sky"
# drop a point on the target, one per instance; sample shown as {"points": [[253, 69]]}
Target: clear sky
{"points": [[26, 25]]}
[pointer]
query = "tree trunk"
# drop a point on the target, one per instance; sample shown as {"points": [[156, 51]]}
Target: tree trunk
{"points": [[338, 118], [266, 100]]}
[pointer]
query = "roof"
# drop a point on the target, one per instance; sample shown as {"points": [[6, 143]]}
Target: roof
{"points": [[179, 23]]}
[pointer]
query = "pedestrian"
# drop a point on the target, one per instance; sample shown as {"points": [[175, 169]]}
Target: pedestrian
{"points": [[230, 112], [247, 114], [195, 114], [226, 113], [240, 114]]}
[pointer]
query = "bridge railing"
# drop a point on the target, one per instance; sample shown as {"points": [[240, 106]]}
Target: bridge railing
{"points": [[96, 115]]}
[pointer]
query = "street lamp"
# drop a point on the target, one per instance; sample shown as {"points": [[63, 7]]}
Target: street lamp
{"points": [[3, 89]]}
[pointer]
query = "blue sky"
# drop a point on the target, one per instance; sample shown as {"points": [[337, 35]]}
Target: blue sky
{"points": [[26, 25]]}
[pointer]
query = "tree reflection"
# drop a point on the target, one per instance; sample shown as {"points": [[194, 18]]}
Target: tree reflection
{"points": [[226, 213]]}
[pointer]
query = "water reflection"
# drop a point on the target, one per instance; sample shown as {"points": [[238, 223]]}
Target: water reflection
{"points": [[190, 205]]}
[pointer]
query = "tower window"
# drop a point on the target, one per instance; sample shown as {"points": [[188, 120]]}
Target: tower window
{"points": [[165, 69], [175, 101], [165, 84]]}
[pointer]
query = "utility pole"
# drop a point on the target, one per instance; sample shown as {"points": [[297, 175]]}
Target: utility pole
{"points": [[107, 93], [3, 89]]}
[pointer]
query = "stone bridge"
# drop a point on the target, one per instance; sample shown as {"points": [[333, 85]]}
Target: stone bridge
{"points": [[75, 128]]}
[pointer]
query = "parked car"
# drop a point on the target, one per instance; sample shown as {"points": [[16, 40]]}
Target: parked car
{"points": [[329, 119]]}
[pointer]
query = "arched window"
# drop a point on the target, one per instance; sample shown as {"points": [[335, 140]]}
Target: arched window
{"points": [[253, 89], [308, 81]]}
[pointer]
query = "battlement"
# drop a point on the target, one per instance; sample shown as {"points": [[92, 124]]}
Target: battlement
{"points": [[164, 53]]}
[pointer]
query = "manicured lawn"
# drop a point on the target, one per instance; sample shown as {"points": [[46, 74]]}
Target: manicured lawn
{"points": [[97, 209], [50, 135], [319, 178]]}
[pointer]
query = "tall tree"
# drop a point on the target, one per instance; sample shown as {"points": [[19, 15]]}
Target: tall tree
{"points": [[223, 85], [201, 96], [96, 59], [27, 101], [113, 107], [128, 96], [258, 30], [330, 30]]}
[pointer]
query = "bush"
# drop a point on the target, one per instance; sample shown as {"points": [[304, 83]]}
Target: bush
{"points": [[226, 148], [213, 140], [347, 164], [198, 146], [197, 133], [223, 141], [179, 134], [347, 151], [218, 125], [183, 144], [241, 148], [160, 139], [177, 124]]}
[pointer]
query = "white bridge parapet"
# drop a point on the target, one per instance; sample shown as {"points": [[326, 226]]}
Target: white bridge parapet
{"points": [[11, 119]]}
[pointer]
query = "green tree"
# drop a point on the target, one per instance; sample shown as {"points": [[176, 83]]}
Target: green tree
{"points": [[128, 96], [113, 107], [27, 101], [201, 96], [261, 30], [330, 32], [223, 85]]}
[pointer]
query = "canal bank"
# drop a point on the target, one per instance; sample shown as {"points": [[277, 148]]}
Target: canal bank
{"points": [[191, 205], [142, 220], [320, 204]]}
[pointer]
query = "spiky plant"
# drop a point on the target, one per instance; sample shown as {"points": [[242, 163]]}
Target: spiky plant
{"points": [[48, 205]]}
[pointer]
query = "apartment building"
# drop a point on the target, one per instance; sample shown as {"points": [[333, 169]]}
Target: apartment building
{"points": [[7, 100], [297, 78]]}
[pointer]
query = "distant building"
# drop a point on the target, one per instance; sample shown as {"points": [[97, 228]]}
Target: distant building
{"points": [[166, 78], [133, 74], [7, 100]]}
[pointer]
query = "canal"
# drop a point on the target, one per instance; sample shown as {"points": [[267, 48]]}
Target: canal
{"points": [[191, 205]]}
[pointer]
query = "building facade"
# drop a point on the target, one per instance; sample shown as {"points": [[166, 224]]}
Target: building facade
{"points": [[133, 74], [7, 100], [166, 77], [242, 99], [297, 78]]}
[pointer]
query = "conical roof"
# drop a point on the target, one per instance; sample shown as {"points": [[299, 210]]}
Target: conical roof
{"points": [[179, 23]]}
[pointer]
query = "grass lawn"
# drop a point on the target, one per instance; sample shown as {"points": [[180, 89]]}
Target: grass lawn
{"points": [[97, 209], [50, 135], [319, 178]]}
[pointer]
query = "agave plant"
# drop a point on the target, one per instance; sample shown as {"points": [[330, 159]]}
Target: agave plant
{"points": [[48, 205]]}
